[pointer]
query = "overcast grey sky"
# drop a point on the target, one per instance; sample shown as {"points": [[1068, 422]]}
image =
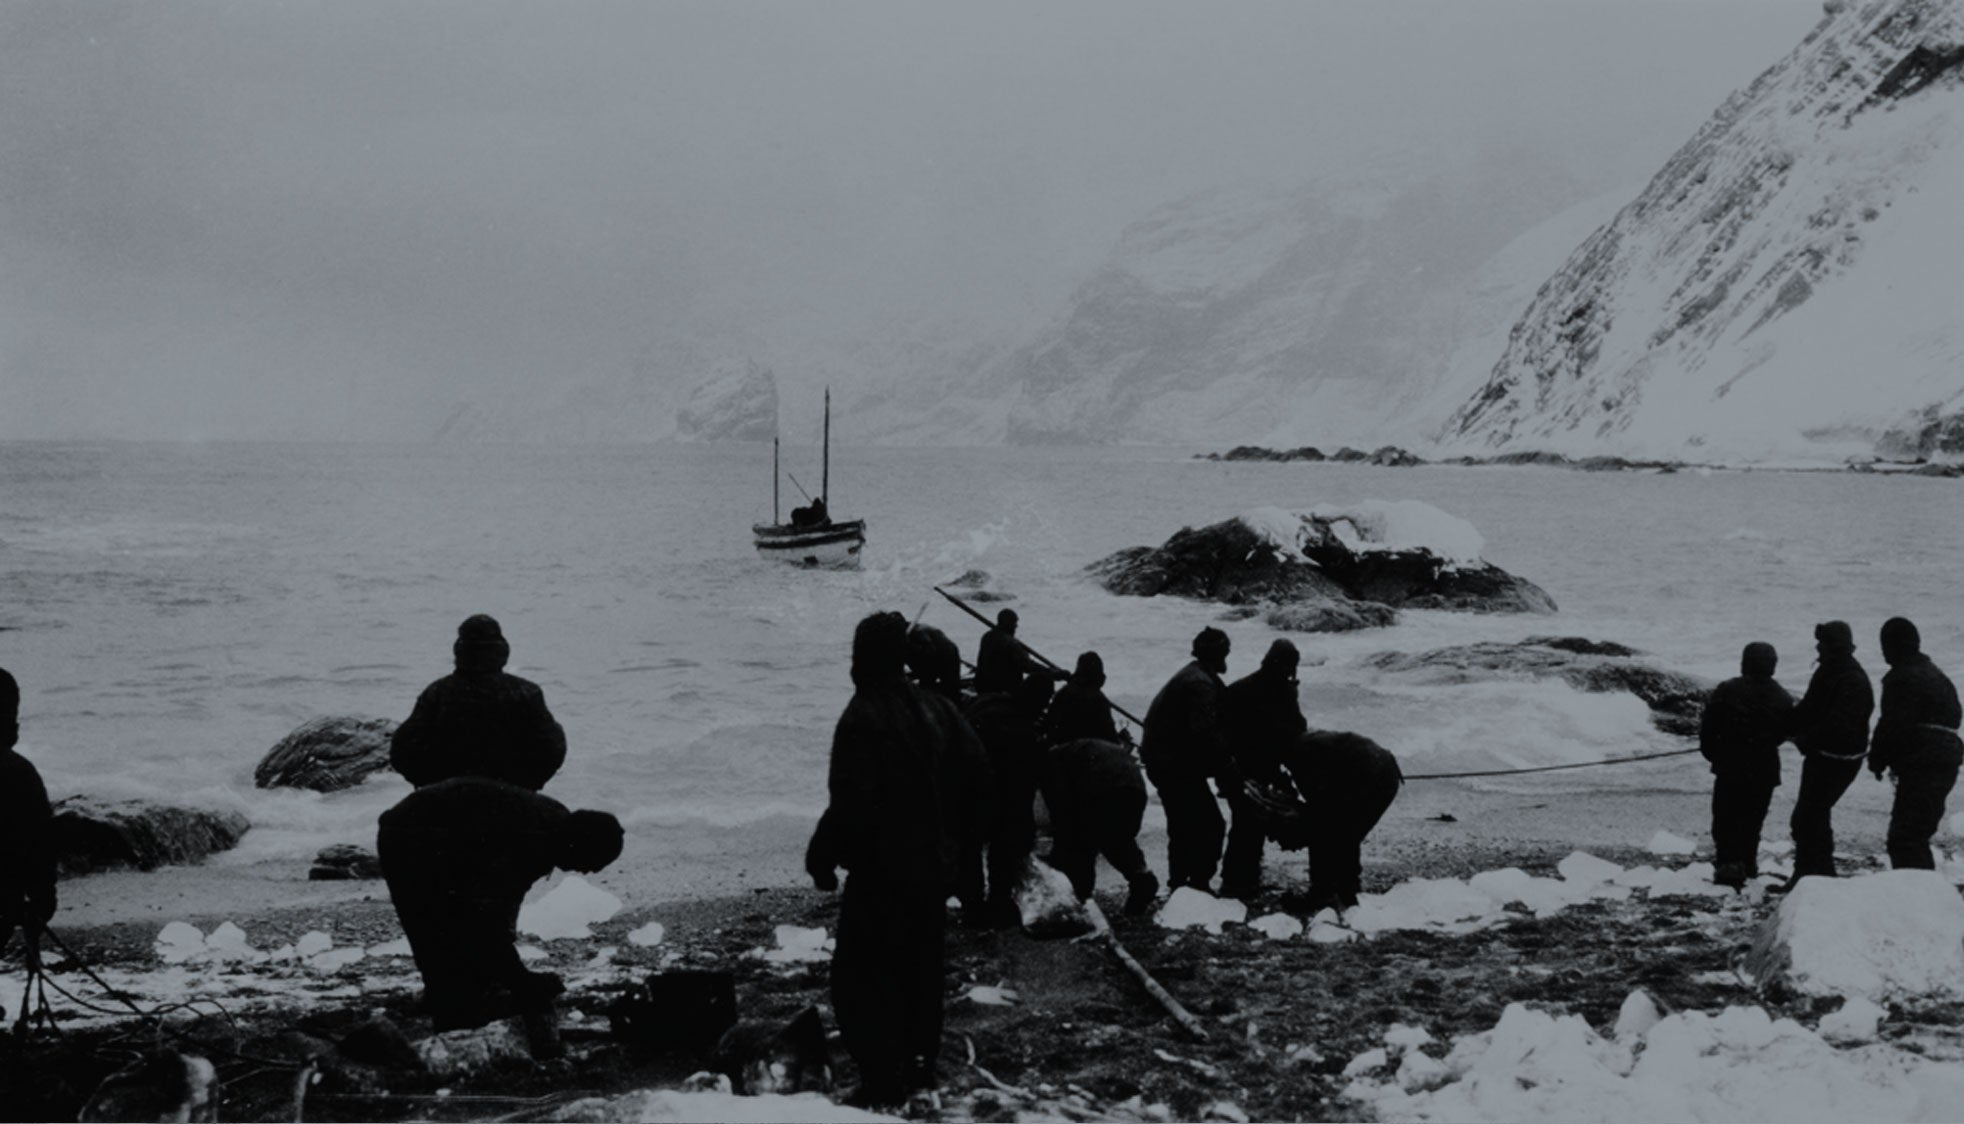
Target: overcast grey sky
{"points": [[270, 217]]}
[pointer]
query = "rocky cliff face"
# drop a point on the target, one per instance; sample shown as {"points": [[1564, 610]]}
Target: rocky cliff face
{"points": [[737, 403], [1320, 314], [1787, 284]]}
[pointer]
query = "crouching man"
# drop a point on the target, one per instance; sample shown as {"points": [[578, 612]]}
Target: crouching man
{"points": [[1097, 798], [459, 856], [1346, 781]]}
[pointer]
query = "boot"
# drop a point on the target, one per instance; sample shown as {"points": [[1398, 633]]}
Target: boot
{"points": [[1145, 891]]}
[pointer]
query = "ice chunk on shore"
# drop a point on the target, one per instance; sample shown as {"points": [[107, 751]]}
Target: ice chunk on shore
{"points": [[180, 941], [1277, 926], [397, 947], [1665, 843], [1586, 870], [1855, 1022], [647, 936], [1957, 824], [1635, 1018], [797, 945], [1892, 932], [312, 944], [335, 959], [1189, 908], [568, 910]]}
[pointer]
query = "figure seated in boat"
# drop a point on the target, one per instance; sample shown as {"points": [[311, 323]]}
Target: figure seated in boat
{"points": [[813, 516]]}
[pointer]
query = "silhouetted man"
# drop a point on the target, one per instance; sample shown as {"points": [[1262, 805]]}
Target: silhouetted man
{"points": [[1347, 781], [1185, 745], [1831, 727], [479, 721], [1915, 739], [1745, 721], [1081, 709], [909, 801], [459, 856], [1263, 720], [1001, 660], [1007, 726], [1097, 799], [27, 863], [935, 661]]}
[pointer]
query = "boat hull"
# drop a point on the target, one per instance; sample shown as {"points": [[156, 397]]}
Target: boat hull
{"points": [[835, 546]]}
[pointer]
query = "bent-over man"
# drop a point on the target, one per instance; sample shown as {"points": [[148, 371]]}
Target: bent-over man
{"points": [[1347, 782], [1097, 799]]}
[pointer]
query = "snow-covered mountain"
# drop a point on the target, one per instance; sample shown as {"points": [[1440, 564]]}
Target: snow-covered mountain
{"points": [[737, 403], [1335, 313], [1788, 285]]}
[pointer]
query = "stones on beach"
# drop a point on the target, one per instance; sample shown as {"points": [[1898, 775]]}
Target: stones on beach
{"points": [[1329, 569], [1676, 701], [1887, 934], [327, 754], [92, 834], [461, 1053], [344, 861]]}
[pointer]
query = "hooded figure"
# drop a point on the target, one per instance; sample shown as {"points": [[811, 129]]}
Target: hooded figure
{"points": [[1831, 727], [1263, 720], [1744, 723], [1000, 661], [935, 661], [1916, 739], [459, 855], [27, 863], [479, 721], [1184, 745], [1081, 709], [910, 799]]}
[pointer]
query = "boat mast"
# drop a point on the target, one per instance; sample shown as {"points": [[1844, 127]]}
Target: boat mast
{"points": [[774, 475], [825, 477]]}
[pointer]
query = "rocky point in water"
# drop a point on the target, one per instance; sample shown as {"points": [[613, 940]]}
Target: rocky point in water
{"points": [[1329, 569], [1676, 701], [92, 834], [327, 754]]}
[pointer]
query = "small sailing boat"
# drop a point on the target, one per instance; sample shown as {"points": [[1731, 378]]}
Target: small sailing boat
{"points": [[812, 538]]}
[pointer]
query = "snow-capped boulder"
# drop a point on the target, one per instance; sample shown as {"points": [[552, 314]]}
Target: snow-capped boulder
{"points": [[1321, 568], [1676, 701], [327, 754], [738, 403], [1784, 286], [92, 834], [1890, 933], [344, 861]]}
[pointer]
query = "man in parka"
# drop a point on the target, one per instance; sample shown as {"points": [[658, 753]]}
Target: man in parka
{"points": [[459, 856], [1097, 799], [1831, 727], [1007, 725], [1745, 721], [909, 803], [1263, 719], [1347, 782], [1916, 740], [1183, 747], [479, 721], [1081, 709], [27, 862]]}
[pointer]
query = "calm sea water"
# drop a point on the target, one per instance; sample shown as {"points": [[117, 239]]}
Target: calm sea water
{"points": [[173, 610]]}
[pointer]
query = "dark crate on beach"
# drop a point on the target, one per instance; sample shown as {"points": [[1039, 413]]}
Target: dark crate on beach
{"points": [[680, 1010]]}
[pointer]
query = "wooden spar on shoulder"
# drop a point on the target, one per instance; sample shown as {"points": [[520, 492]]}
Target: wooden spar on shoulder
{"points": [[774, 476], [1047, 661]]}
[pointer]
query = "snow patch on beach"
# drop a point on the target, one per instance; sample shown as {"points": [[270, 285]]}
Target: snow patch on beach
{"points": [[797, 945], [1188, 908], [1889, 933], [1740, 1064]]}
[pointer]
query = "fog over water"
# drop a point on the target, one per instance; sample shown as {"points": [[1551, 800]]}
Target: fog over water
{"points": [[246, 219]]}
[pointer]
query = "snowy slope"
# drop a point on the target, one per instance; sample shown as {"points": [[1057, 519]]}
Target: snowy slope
{"points": [[1330, 313], [1787, 286]]}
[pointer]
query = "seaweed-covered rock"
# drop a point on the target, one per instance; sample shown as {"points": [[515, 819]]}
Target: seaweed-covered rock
{"points": [[327, 754], [1677, 701], [92, 834], [1325, 564]]}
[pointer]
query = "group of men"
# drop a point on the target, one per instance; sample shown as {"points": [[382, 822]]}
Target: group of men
{"points": [[924, 780], [1915, 743]]}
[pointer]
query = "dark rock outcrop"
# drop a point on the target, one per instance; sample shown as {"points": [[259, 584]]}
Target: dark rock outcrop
{"points": [[344, 862], [327, 754], [1677, 701], [1332, 587], [92, 834]]}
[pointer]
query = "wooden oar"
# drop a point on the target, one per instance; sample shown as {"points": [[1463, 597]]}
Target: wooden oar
{"points": [[1047, 662]]}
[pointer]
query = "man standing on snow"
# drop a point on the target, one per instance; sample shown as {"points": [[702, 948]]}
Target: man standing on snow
{"points": [[1263, 720], [479, 721], [1915, 739], [1184, 745], [1745, 721], [1831, 727], [910, 794]]}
